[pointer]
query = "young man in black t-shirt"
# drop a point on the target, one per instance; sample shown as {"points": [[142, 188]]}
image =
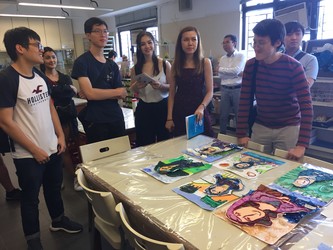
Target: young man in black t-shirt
{"points": [[100, 84]]}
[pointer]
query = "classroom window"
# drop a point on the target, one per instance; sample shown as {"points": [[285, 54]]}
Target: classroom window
{"points": [[252, 18], [325, 28]]}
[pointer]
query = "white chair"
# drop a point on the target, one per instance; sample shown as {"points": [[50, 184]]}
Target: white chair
{"points": [[233, 139], [106, 220], [227, 138], [305, 159], [256, 146], [139, 241], [281, 153], [317, 162], [98, 150]]}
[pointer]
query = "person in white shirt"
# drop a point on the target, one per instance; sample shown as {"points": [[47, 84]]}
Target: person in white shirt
{"points": [[152, 110], [292, 41], [230, 70], [29, 118]]}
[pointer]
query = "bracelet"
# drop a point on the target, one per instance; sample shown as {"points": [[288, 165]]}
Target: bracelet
{"points": [[203, 105]]}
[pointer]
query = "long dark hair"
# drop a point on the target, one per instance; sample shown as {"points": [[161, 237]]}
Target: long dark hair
{"points": [[46, 49], [140, 56], [178, 64]]}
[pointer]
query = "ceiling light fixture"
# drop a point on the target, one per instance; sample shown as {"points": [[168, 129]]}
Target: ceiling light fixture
{"points": [[56, 6], [37, 16]]}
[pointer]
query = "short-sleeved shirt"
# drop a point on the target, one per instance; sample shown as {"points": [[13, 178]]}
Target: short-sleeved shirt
{"points": [[31, 109], [102, 76], [310, 64]]}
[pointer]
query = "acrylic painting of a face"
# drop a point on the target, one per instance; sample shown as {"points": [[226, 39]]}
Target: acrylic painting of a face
{"points": [[265, 213], [310, 181]]}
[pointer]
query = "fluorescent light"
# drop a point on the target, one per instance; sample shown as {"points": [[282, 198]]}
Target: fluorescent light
{"points": [[37, 16], [57, 6]]}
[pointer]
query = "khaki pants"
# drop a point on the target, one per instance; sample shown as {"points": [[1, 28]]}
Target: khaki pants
{"points": [[283, 138]]}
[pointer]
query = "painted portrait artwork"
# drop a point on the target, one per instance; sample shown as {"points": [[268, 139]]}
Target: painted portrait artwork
{"points": [[213, 151], [174, 169], [249, 165], [307, 182], [266, 214], [213, 190]]}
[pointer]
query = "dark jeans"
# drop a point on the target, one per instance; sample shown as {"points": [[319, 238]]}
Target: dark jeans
{"points": [[31, 175], [96, 132], [150, 121]]}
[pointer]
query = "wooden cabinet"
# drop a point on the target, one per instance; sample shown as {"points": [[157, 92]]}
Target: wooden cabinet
{"points": [[37, 24], [52, 33], [19, 22], [6, 24], [66, 33], [57, 34]]}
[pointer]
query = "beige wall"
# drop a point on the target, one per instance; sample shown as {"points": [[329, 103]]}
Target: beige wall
{"points": [[212, 29]]}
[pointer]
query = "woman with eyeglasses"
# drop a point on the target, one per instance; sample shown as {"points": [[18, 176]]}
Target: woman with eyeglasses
{"points": [[191, 89], [62, 92], [151, 111]]}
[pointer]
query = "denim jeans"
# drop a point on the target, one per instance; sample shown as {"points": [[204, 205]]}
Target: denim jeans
{"points": [[31, 176]]}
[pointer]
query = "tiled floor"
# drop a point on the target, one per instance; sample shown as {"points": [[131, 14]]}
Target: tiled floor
{"points": [[11, 234]]}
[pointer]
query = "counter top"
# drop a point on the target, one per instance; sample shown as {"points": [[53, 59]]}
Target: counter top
{"points": [[79, 101]]}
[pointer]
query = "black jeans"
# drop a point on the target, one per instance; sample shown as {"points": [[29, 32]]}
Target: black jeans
{"points": [[96, 132], [31, 175], [150, 121]]}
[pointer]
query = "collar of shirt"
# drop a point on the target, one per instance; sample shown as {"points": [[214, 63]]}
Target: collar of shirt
{"points": [[297, 52], [233, 53]]}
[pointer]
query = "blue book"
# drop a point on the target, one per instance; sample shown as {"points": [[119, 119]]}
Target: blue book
{"points": [[193, 128]]}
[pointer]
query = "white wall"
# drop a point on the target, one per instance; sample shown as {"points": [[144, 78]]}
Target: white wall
{"points": [[213, 18]]}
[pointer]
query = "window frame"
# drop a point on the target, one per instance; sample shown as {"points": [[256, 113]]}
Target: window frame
{"points": [[312, 6]]}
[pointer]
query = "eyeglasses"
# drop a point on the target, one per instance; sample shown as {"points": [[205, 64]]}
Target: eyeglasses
{"points": [[36, 44], [101, 32], [259, 44]]}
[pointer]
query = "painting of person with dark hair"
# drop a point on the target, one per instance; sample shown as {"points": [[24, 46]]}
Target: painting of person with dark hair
{"points": [[266, 213], [308, 176], [262, 206], [211, 191], [213, 151], [171, 170], [224, 186], [307, 182], [249, 165]]}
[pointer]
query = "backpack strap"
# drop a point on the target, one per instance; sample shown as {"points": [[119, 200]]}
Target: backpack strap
{"points": [[164, 66], [300, 55]]}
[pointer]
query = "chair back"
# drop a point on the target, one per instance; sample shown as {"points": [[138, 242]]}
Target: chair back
{"points": [[103, 203], [139, 241], [83, 183], [227, 138], [317, 162], [98, 150], [106, 220], [256, 146], [305, 159], [281, 153]]}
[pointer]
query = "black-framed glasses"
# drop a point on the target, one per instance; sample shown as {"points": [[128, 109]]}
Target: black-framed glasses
{"points": [[101, 32], [36, 44]]}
